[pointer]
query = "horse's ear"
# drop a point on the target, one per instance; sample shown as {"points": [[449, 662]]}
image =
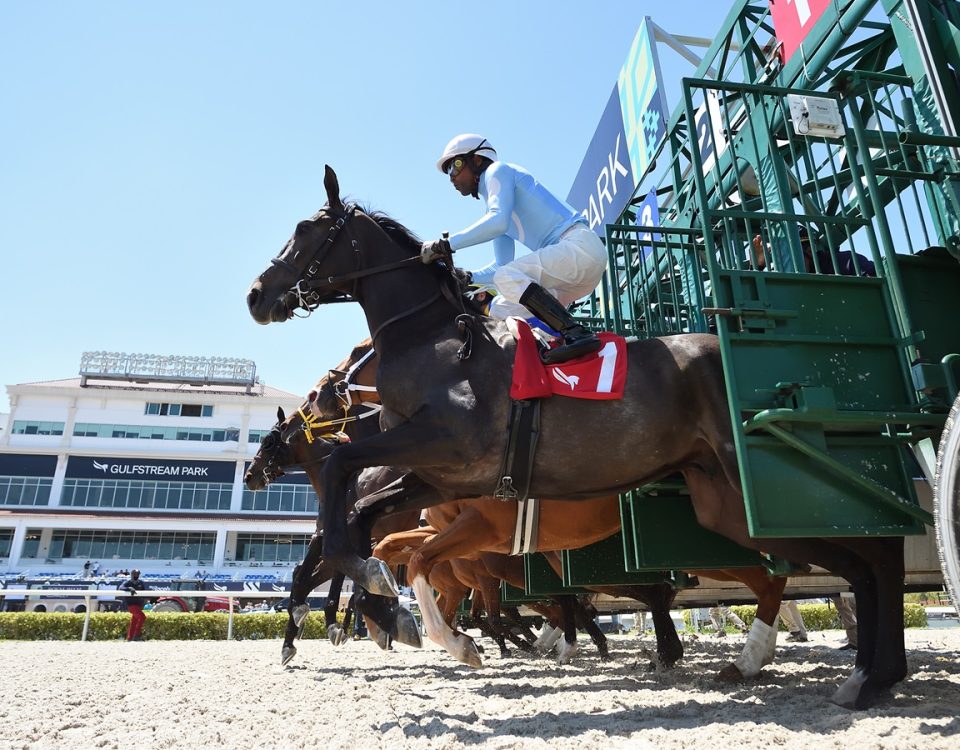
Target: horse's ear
{"points": [[332, 186], [281, 417]]}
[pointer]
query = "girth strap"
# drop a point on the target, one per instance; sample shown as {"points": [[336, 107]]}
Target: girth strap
{"points": [[516, 471]]}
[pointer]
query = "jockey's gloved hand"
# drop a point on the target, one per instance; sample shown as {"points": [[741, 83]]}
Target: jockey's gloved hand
{"points": [[431, 251]]}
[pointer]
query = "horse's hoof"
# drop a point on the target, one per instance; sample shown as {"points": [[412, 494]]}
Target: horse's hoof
{"points": [[382, 639], [467, 652], [376, 578], [729, 673], [339, 636], [848, 694], [300, 613], [566, 652], [333, 633], [287, 654], [407, 631]]}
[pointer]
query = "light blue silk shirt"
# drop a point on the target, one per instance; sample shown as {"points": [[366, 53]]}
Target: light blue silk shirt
{"points": [[518, 209]]}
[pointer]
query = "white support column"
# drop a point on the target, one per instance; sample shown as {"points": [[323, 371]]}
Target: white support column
{"points": [[220, 549], [5, 435], [56, 490], [16, 544], [68, 426], [236, 494]]}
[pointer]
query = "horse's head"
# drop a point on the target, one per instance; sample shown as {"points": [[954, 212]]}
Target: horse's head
{"points": [[301, 276], [292, 441], [351, 383]]}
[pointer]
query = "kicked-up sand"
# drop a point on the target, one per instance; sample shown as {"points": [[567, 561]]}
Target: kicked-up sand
{"points": [[215, 694]]}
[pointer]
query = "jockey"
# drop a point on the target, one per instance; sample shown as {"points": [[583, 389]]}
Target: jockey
{"points": [[567, 259]]}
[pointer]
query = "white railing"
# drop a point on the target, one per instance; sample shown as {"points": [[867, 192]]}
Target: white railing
{"points": [[112, 595]]}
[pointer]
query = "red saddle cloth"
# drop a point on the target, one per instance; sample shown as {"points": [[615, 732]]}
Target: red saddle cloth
{"points": [[599, 376]]}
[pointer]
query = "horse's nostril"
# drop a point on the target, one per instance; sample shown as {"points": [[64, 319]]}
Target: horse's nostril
{"points": [[312, 396], [252, 297]]}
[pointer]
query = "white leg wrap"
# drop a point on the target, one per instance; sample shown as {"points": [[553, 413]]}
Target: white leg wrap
{"points": [[540, 643], [750, 662], [771, 652], [566, 651]]}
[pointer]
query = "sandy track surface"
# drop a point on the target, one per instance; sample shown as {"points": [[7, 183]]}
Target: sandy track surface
{"points": [[236, 695]]}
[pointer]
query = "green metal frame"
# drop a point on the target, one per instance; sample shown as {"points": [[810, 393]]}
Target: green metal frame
{"points": [[828, 377]]}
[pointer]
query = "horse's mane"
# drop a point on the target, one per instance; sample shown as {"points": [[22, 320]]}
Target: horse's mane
{"points": [[394, 229], [412, 243]]}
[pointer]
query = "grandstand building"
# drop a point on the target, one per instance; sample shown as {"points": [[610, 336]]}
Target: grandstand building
{"points": [[139, 462]]}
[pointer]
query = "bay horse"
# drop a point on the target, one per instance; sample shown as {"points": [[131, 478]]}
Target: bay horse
{"points": [[437, 387]]}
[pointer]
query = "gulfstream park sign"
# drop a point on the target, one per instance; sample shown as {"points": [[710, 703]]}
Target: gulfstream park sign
{"points": [[623, 145], [118, 468]]}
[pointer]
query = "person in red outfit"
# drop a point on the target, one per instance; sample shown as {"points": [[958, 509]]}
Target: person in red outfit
{"points": [[135, 584]]}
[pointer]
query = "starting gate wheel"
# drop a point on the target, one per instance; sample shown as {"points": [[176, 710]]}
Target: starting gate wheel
{"points": [[947, 503]]}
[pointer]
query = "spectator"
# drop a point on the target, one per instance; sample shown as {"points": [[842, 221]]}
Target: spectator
{"points": [[135, 603], [845, 265], [86, 569], [846, 606], [96, 568], [719, 616], [790, 614]]}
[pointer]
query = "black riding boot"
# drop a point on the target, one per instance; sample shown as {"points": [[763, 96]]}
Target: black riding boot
{"points": [[577, 340]]}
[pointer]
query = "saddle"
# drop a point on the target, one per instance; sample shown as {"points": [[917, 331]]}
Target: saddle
{"points": [[598, 376]]}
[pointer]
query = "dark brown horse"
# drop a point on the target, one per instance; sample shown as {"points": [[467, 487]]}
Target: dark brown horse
{"points": [[463, 528], [673, 418]]}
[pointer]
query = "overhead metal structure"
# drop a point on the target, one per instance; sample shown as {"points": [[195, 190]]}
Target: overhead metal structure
{"points": [[807, 190]]}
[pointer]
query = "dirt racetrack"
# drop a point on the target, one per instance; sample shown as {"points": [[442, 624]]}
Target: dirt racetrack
{"points": [[212, 694]]}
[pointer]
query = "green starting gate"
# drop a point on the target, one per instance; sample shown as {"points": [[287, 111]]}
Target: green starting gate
{"points": [[809, 215]]}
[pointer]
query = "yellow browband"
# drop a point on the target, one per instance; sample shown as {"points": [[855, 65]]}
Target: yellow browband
{"points": [[312, 425]]}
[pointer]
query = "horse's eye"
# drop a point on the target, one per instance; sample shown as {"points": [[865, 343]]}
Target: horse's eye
{"points": [[303, 227]]}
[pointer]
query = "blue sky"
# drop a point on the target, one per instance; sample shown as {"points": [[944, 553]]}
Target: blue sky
{"points": [[155, 156]]}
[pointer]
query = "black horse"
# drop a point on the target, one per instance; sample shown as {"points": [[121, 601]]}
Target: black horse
{"points": [[673, 417], [278, 453]]}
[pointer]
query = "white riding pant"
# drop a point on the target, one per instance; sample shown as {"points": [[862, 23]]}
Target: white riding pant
{"points": [[570, 269]]}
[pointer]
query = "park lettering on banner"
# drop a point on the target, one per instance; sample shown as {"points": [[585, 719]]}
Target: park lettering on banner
{"points": [[600, 376]]}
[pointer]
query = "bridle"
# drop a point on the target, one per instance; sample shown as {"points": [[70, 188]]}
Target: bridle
{"points": [[342, 390], [275, 441], [305, 293]]}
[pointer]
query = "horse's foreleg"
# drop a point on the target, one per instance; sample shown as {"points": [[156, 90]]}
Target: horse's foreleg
{"points": [[769, 593], [520, 628], [461, 647], [659, 597], [335, 632], [404, 445], [585, 615], [305, 579], [568, 646]]}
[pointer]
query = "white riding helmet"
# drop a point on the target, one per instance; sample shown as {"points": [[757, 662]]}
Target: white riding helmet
{"points": [[467, 143]]}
